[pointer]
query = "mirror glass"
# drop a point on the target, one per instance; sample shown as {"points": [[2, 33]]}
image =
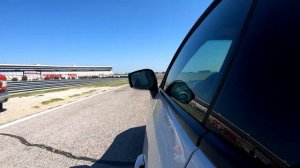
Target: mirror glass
{"points": [[143, 79]]}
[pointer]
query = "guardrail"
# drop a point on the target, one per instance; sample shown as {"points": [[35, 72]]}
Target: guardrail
{"points": [[24, 86]]}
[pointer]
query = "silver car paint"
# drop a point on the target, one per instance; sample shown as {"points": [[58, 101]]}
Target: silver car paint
{"points": [[140, 161], [168, 145], [199, 160], [3, 96]]}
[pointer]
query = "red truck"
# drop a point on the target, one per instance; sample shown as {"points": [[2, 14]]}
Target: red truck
{"points": [[3, 91]]}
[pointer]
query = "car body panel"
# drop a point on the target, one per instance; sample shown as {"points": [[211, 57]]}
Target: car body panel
{"points": [[3, 96], [168, 145], [199, 160]]}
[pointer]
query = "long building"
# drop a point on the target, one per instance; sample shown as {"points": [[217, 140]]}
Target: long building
{"points": [[36, 72]]}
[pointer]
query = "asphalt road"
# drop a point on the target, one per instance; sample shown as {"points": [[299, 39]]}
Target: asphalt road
{"points": [[102, 131]]}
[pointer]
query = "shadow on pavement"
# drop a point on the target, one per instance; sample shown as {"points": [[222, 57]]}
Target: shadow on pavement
{"points": [[49, 148], [123, 151], [2, 110]]}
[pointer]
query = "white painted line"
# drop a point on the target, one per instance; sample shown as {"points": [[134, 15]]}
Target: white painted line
{"points": [[59, 107]]}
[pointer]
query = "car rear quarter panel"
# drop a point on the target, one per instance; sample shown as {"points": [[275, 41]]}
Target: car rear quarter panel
{"points": [[167, 143]]}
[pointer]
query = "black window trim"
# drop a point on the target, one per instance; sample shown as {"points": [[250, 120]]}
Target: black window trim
{"points": [[193, 29], [227, 62], [228, 59], [187, 121], [184, 117], [248, 137], [227, 65], [227, 68]]}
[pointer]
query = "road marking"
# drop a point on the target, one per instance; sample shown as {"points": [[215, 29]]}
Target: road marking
{"points": [[53, 109]]}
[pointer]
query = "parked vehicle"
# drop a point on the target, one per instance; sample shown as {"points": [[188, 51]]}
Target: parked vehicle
{"points": [[3, 91], [230, 95]]}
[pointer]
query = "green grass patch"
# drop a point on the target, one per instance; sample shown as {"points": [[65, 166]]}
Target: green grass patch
{"points": [[39, 92], [111, 84], [51, 101]]}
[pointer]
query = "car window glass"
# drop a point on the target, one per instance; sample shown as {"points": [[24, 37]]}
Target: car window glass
{"points": [[202, 69], [261, 94], [202, 61], [195, 74]]}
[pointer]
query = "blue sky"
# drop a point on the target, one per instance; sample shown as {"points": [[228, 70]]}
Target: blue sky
{"points": [[125, 34]]}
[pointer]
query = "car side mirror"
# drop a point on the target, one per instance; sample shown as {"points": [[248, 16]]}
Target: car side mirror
{"points": [[144, 79]]}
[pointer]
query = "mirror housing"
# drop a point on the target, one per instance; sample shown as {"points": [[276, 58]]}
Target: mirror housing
{"points": [[144, 79]]}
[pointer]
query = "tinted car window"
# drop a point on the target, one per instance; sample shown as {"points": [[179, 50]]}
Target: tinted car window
{"points": [[261, 94], [195, 74]]}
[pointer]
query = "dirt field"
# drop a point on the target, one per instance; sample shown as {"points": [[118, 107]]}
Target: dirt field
{"points": [[19, 107]]}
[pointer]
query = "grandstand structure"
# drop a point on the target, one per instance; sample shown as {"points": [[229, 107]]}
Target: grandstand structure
{"points": [[38, 72]]}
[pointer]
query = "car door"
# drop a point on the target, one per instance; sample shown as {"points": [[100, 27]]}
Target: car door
{"points": [[176, 125], [254, 120]]}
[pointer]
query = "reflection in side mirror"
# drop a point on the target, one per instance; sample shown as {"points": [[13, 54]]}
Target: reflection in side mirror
{"points": [[144, 79], [180, 91]]}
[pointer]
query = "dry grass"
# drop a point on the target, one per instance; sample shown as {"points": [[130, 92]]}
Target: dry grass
{"points": [[88, 92], [51, 101], [75, 95], [39, 92], [83, 93]]}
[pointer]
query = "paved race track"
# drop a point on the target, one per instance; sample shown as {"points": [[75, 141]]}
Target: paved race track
{"points": [[102, 131]]}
